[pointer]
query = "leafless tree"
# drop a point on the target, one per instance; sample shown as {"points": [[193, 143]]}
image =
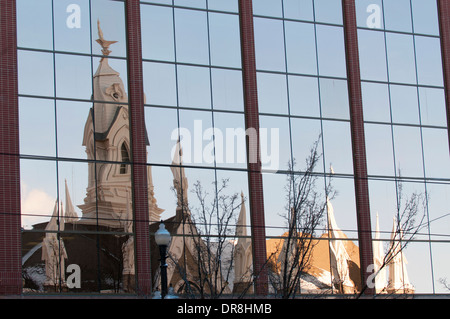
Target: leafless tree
{"points": [[305, 211], [409, 220], [212, 224]]}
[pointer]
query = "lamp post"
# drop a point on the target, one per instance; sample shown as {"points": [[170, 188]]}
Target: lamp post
{"points": [[162, 238]]}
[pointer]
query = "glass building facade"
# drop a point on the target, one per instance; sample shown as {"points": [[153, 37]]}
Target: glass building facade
{"points": [[126, 113]]}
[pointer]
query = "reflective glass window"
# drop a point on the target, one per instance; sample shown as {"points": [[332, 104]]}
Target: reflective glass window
{"points": [[425, 17], [401, 62], [298, 9], [300, 48], [224, 40], [269, 44], [408, 151], [227, 92], [160, 83], [372, 55], [376, 104], [432, 106], [379, 151], [328, 11], [272, 93], [404, 104], [157, 33], [191, 34], [230, 6], [304, 96], [334, 98], [35, 70], [428, 57], [338, 146], [34, 24], [37, 115], [435, 148], [272, 8], [397, 15], [194, 86], [331, 51], [369, 14]]}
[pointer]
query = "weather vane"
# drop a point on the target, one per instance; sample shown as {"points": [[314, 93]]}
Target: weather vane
{"points": [[104, 43]]}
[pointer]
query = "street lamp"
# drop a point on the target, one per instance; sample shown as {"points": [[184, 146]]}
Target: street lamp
{"points": [[162, 238]]}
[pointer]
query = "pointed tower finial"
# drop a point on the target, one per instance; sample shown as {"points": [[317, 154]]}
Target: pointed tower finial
{"points": [[101, 40]]}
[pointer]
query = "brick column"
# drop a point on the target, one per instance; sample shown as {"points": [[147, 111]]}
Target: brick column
{"points": [[138, 149], [256, 198], [444, 26], [10, 222], [358, 142]]}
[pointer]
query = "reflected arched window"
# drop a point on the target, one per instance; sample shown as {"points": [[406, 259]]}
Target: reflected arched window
{"points": [[125, 159]]}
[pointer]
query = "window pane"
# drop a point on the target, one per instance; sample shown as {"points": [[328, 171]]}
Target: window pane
{"points": [[191, 33], [380, 160], [298, 9], [230, 140], [436, 153], [191, 3], [376, 102], [383, 202], [439, 196], [270, 8], [440, 265], [35, 71], [305, 133], [274, 188], [328, 11], [72, 117], [160, 84], [70, 34], [38, 191], [369, 14], [304, 96], [331, 51], [198, 138], [73, 76], [344, 205], [425, 17], [401, 61], [194, 88], [275, 143], [37, 116], [162, 132], [372, 55], [34, 24], [334, 98], [157, 33], [397, 15], [408, 151], [338, 146], [227, 90], [229, 5], [432, 106], [269, 44], [300, 48], [272, 93], [111, 15], [404, 104], [429, 65], [224, 40]]}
